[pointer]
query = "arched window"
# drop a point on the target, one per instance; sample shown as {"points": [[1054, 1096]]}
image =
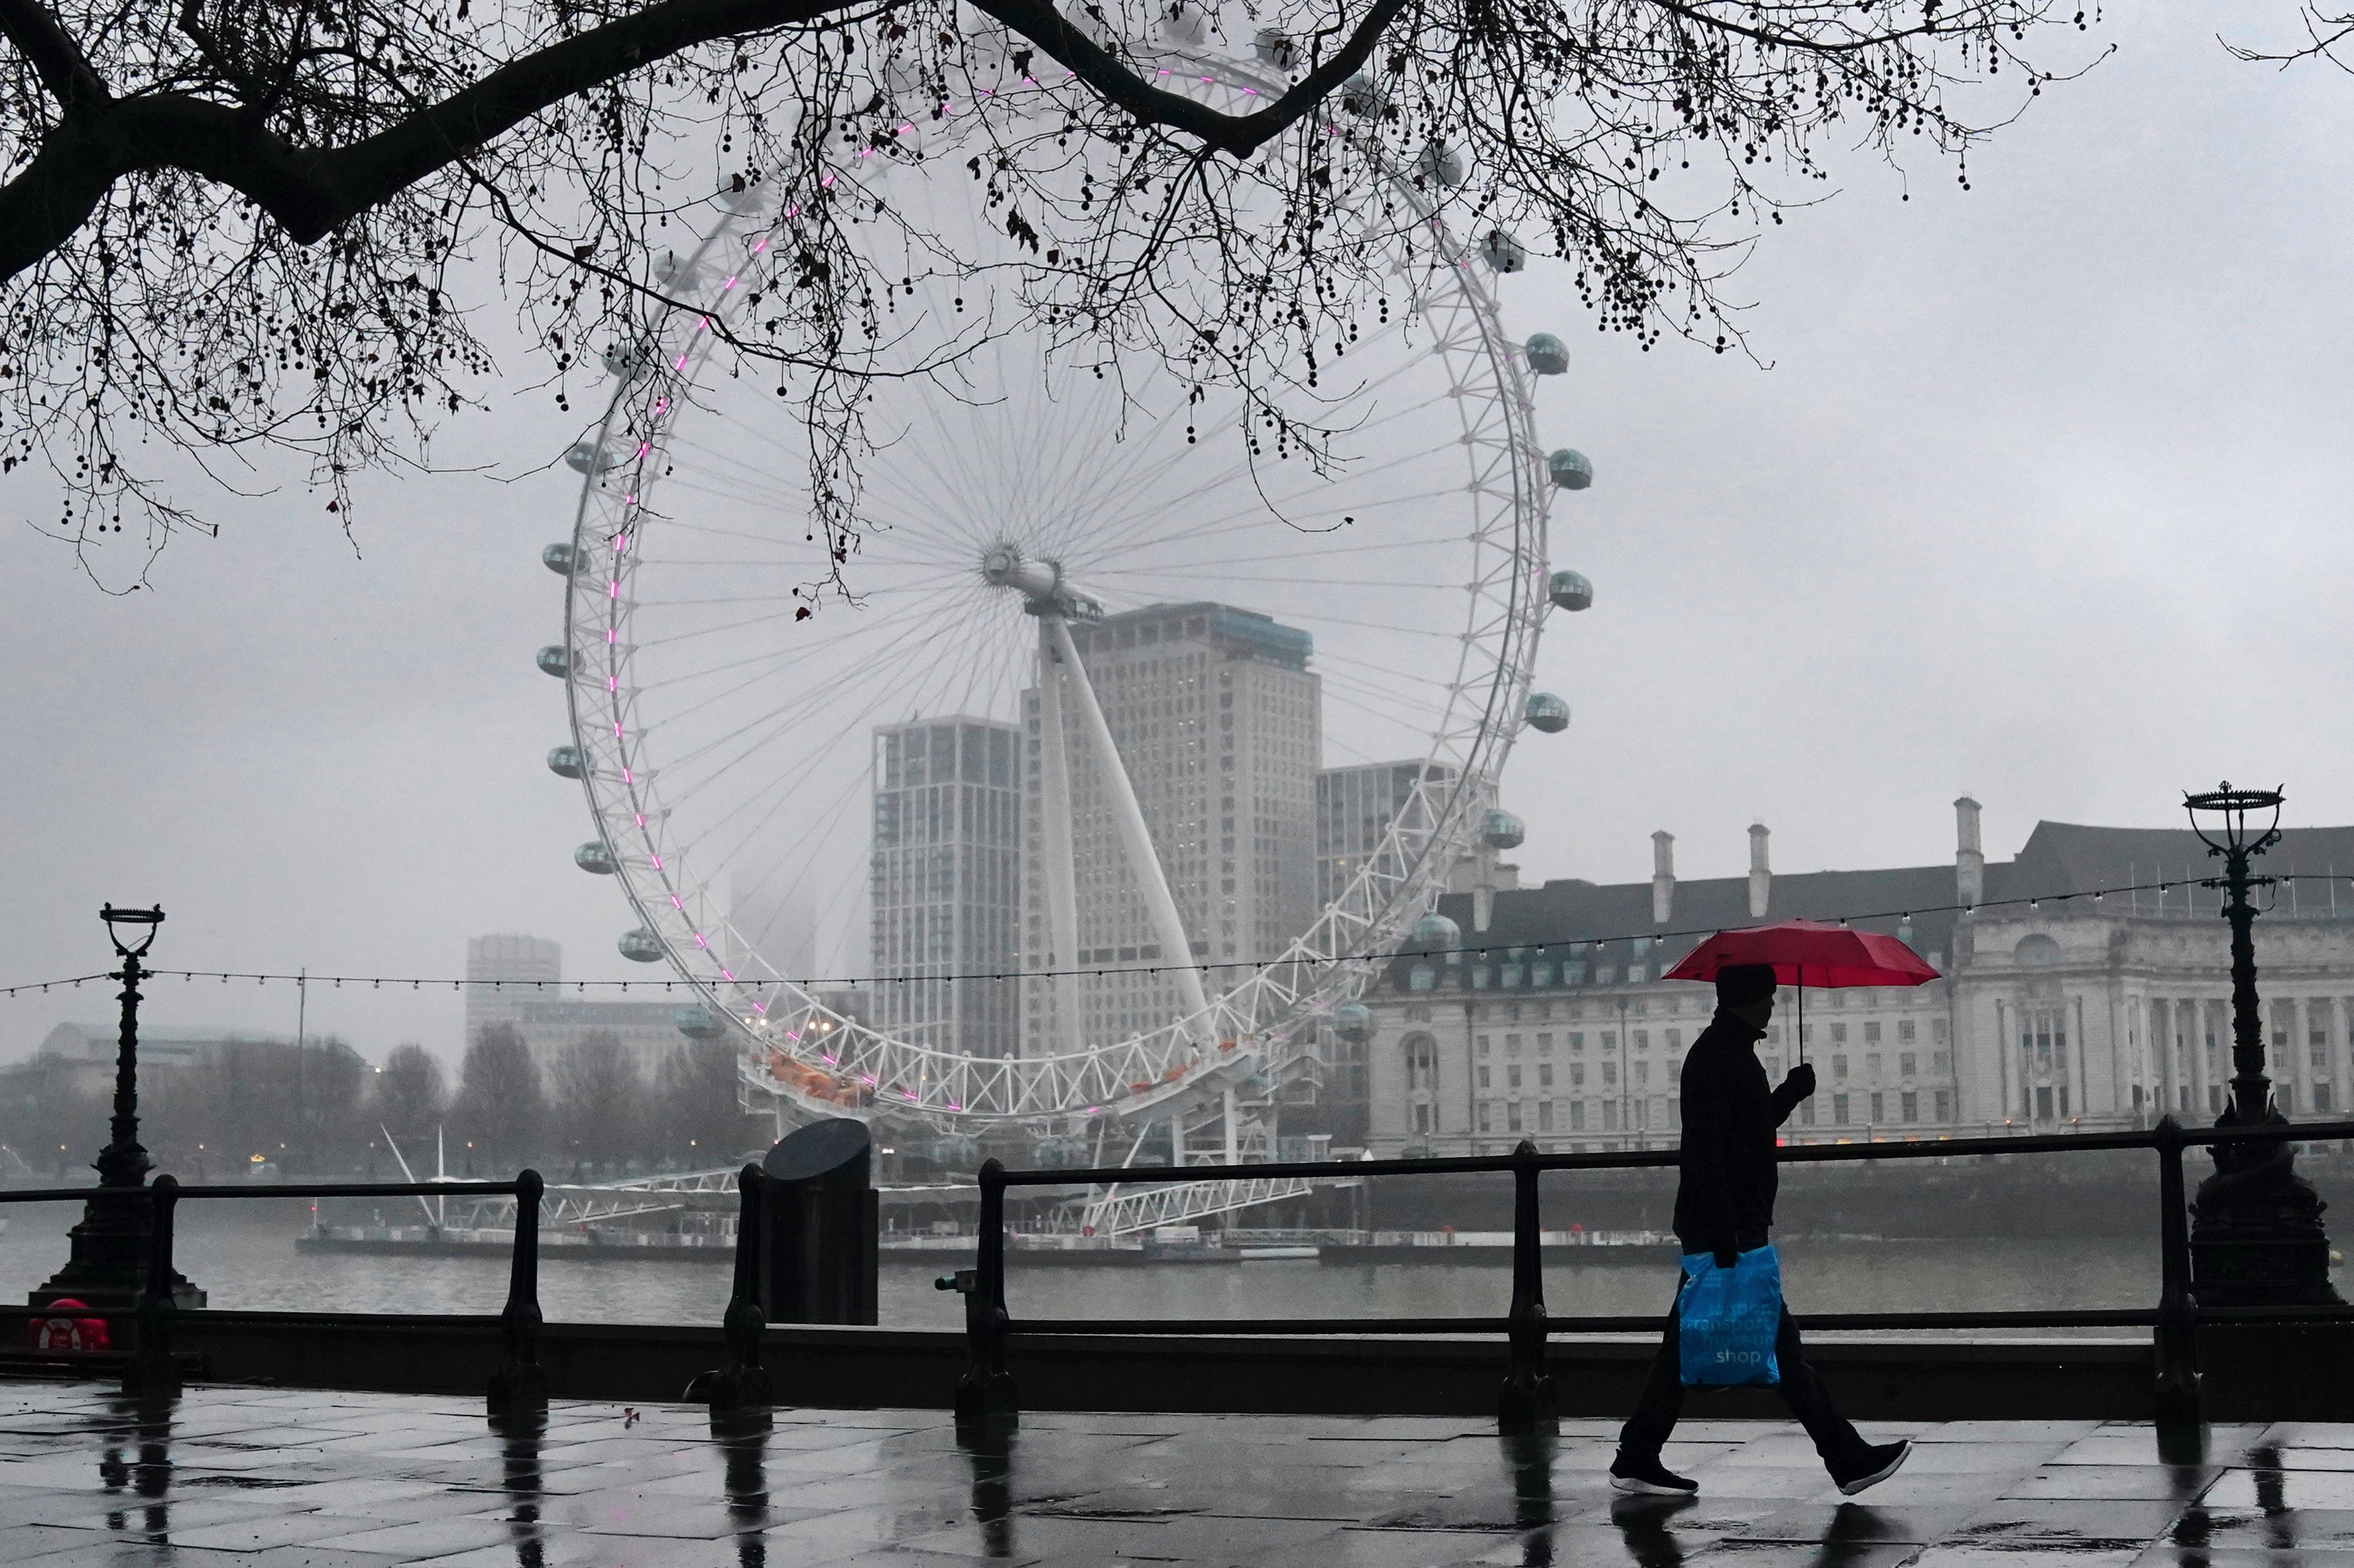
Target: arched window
{"points": [[2034, 949], [1421, 1063]]}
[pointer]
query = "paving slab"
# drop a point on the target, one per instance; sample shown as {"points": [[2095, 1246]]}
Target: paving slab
{"points": [[229, 1477]]}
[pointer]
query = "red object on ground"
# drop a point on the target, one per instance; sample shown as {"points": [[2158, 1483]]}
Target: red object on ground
{"points": [[69, 1333], [1808, 952]]}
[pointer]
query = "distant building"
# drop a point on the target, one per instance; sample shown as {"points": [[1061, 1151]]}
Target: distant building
{"points": [[551, 1019], [945, 888], [89, 1050], [1354, 809], [2071, 1014], [1219, 722]]}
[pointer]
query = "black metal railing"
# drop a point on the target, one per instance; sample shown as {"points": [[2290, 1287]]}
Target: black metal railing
{"points": [[150, 1367], [986, 1393]]}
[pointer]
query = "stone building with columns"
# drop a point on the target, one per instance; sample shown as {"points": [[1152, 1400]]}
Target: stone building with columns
{"points": [[2062, 1003]]}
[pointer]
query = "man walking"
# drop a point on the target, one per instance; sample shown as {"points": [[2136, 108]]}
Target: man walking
{"points": [[1724, 1206]]}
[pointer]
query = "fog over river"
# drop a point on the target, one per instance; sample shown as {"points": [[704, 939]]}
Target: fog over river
{"points": [[245, 1256]]}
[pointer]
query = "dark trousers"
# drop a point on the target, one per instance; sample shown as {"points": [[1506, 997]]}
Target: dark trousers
{"points": [[1663, 1399]]}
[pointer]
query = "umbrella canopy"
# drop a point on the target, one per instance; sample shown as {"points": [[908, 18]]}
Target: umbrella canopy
{"points": [[1808, 952]]}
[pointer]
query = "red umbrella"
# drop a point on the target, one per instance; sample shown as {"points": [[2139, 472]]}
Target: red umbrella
{"points": [[1805, 953]]}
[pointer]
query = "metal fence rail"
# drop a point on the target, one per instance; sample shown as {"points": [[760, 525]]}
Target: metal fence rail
{"points": [[519, 1384], [987, 1395]]}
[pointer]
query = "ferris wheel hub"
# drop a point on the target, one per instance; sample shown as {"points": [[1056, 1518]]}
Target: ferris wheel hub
{"points": [[1040, 583]]}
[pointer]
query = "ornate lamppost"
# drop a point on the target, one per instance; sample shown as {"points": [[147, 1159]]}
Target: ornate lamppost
{"points": [[109, 1263], [2255, 1235]]}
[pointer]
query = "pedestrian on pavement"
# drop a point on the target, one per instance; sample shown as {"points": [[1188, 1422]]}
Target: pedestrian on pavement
{"points": [[1724, 1206]]}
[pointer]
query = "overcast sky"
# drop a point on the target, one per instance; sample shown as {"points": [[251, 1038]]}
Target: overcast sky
{"points": [[2042, 498]]}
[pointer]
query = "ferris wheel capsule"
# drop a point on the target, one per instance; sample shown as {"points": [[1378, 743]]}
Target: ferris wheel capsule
{"points": [[642, 947], [1362, 95], [1547, 354], [697, 1022], [594, 858], [564, 761], [1434, 933], [1353, 1022], [742, 196], [681, 274], [1546, 713], [1569, 590], [628, 360], [1500, 830], [1570, 469], [1274, 47], [588, 457], [1184, 24], [1503, 253], [558, 557], [1440, 165], [554, 660]]}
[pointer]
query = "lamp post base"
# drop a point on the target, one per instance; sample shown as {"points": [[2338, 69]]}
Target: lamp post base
{"points": [[108, 1267], [2256, 1236]]}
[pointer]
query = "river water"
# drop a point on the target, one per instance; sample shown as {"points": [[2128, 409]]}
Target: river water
{"points": [[244, 1256]]}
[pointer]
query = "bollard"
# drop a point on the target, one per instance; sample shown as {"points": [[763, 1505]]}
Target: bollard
{"points": [[521, 1384], [742, 1384], [1528, 1401], [818, 1244], [2176, 1343], [985, 1397], [151, 1373]]}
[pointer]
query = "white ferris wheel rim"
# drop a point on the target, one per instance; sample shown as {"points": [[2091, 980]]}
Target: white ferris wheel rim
{"points": [[1254, 1020]]}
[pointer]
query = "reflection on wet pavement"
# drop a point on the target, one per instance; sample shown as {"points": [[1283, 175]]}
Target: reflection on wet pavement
{"points": [[287, 1480]]}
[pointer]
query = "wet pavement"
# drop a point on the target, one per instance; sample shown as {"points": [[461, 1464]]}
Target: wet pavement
{"points": [[238, 1477]]}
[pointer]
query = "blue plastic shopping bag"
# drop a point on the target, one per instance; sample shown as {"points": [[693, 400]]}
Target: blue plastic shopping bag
{"points": [[1727, 1318]]}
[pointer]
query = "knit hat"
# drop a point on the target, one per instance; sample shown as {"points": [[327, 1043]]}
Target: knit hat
{"points": [[1738, 985]]}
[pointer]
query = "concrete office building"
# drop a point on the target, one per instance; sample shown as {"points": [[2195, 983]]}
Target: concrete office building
{"points": [[1219, 722], [551, 1019], [945, 890]]}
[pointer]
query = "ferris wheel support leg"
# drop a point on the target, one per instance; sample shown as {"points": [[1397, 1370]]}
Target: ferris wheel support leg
{"points": [[1060, 865], [1233, 1131], [1136, 839]]}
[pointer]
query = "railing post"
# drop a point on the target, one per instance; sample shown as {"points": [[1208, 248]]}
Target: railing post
{"points": [[521, 1384], [2176, 1342], [152, 1373], [1527, 1400], [741, 1384], [985, 1396]]}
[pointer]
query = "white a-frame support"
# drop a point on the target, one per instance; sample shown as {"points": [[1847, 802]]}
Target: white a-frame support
{"points": [[1054, 799], [1128, 816]]}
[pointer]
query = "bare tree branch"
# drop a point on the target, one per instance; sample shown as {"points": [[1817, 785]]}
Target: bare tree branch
{"points": [[236, 232]]}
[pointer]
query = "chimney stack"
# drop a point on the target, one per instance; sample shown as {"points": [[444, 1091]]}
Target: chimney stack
{"points": [[1663, 876], [1761, 875], [1970, 862]]}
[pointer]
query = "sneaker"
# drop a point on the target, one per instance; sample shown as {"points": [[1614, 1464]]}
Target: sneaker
{"points": [[1872, 1467], [1649, 1477]]}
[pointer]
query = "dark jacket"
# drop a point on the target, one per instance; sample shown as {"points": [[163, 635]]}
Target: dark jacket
{"points": [[1725, 1198]]}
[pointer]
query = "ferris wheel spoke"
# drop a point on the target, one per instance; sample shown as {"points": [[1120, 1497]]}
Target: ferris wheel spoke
{"points": [[1261, 511], [787, 719], [819, 757], [831, 694], [1324, 657]]}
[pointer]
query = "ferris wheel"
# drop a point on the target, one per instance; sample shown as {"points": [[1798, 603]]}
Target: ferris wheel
{"points": [[1128, 743]]}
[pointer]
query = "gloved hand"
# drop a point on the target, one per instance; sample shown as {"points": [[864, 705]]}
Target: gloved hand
{"points": [[1726, 1257], [1801, 1080]]}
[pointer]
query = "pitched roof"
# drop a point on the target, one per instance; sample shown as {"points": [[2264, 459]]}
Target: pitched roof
{"points": [[2058, 858], [2068, 857], [1579, 911]]}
